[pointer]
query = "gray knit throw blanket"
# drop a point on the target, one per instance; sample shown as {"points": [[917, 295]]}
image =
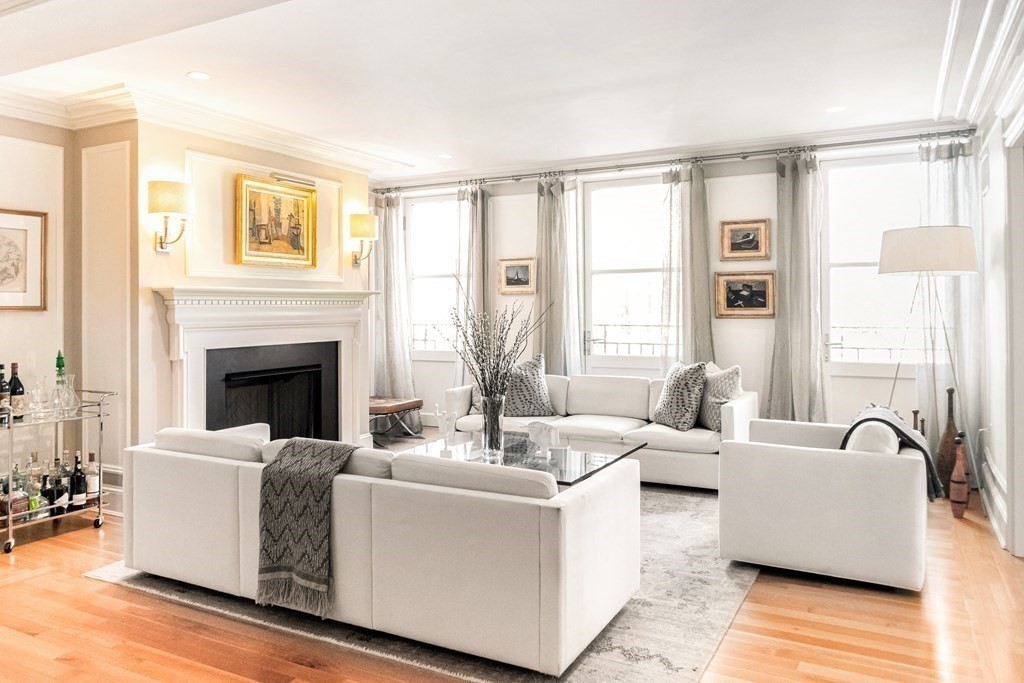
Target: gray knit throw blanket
{"points": [[295, 525]]}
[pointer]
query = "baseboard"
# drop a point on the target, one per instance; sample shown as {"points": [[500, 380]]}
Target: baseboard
{"points": [[993, 497]]}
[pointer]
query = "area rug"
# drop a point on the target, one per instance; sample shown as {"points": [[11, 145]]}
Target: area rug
{"points": [[667, 632]]}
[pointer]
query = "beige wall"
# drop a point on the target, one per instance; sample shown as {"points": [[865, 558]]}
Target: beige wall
{"points": [[206, 256]]}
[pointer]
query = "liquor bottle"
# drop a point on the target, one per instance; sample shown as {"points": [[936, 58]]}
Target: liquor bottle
{"points": [[78, 484], [18, 477], [19, 405], [92, 477], [54, 470], [65, 471], [5, 399], [35, 470], [47, 492], [60, 498]]}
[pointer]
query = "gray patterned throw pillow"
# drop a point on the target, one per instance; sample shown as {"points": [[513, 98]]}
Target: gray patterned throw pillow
{"points": [[721, 388], [527, 391], [679, 404]]}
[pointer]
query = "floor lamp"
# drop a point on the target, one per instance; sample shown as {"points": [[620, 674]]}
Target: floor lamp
{"points": [[928, 252]]}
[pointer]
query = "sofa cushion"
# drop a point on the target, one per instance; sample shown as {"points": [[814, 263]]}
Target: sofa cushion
{"points": [[660, 437], [720, 388], [474, 423], [599, 427], [260, 430], [606, 395], [213, 444], [873, 437], [528, 390], [473, 476], [364, 462], [679, 403]]}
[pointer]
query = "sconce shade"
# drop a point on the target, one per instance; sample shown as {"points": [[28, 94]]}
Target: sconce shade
{"points": [[363, 226], [169, 197], [939, 249]]}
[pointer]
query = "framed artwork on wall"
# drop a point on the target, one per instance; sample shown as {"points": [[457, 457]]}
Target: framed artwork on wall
{"points": [[275, 223], [745, 295], [22, 260], [517, 276], [748, 240]]}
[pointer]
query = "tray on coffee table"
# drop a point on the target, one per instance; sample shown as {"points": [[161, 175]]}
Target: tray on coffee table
{"points": [[583, 459]]}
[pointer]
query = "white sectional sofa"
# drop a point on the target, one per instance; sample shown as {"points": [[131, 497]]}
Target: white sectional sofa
{"points": [[790, 498], [606, 408], [497, 563]]}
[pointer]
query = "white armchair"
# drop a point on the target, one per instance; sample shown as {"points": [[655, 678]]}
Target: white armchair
{"points": [[790, 498]]}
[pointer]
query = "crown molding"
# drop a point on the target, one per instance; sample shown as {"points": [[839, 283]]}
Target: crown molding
{"points": [[847, 135], [1006, 48], [120, 102]]}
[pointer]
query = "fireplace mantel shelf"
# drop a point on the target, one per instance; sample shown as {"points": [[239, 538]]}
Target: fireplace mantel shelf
{"points": [[245, 296]]}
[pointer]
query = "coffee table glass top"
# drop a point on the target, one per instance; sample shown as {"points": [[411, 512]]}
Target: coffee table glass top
{"points": [[582, 459]]}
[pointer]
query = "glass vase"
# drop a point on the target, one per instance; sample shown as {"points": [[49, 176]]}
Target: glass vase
{"points": [[493, 409], [69, 403]]}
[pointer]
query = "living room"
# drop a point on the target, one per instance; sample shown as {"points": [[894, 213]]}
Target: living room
{"points": [[760, 254]]}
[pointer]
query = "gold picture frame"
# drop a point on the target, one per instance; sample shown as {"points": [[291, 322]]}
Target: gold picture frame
{"points": [[745, 295], [22, 260], [517, 276], [747, 240], [275, 223]]}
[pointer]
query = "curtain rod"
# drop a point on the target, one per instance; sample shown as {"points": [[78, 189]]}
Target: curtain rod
{"points": [[920, 137]]}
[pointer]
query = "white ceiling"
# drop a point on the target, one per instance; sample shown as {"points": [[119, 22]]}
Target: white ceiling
{"points": [[499, 84]]}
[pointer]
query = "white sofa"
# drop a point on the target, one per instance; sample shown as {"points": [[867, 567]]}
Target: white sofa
{"points": [[605, 408], [505, 567], [790, 498]]}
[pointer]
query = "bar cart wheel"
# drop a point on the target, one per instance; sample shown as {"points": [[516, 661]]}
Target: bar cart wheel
{"points": [[8, 546], [97, 523]]}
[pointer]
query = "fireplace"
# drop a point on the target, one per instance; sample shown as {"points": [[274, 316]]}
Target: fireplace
{"points": [[292, 387]]}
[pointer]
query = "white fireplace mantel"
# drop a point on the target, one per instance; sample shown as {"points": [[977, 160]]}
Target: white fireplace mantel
{"points": [[202, 318]]}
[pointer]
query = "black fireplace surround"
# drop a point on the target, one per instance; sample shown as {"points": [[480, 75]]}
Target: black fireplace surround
{"points": [[292, 387]]}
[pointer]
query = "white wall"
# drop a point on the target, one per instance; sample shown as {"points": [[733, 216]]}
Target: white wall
{"points": [[744, 342]]}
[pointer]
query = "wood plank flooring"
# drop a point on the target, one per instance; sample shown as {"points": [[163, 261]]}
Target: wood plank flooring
{"points": [[967, 625]]}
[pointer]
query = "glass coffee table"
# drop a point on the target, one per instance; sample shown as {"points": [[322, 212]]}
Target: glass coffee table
{"points": [[582, 459]]}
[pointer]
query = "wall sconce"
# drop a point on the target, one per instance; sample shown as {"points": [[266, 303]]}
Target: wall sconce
{"points": [[169, 198], [363, 227]]}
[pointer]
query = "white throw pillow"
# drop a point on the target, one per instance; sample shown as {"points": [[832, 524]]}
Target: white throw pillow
{"points": [[873, 437]]}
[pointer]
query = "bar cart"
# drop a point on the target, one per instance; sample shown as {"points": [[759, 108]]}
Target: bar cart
{"points": [[92, 407]]}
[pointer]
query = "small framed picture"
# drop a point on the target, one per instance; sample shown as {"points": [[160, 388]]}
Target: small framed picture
{"points": [[745, 295], [516, 276], [22, 260], [748, 240]]}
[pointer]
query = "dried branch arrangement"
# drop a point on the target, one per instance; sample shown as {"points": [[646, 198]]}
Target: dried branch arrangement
{"points": [[482, 341]]}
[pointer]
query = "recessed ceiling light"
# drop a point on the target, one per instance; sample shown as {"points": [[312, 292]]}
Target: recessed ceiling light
{"points": [[198, 75], [446, 156], [834, 110]]}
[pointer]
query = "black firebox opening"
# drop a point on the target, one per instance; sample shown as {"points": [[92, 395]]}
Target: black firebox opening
{"points": [[292, 387]]}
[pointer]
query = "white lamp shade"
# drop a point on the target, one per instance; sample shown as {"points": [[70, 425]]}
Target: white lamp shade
{"points": [[169, 197], [939, 249], [363, 226]]}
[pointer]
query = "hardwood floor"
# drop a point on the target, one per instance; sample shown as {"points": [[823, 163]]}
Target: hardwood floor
{"points": [[968, 624]]}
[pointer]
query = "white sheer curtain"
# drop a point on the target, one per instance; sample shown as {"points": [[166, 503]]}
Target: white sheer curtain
{"points": [[474, 260], [952, 305], [796, 389], [558, 277], [686, 281], [392, 364]]}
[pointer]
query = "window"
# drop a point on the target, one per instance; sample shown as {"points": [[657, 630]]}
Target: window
{"points": [[432, 253], [868, 313], [625, 226]]}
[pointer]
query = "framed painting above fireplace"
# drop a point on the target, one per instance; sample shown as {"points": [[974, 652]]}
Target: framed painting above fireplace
{"points": [[275, 223]]}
